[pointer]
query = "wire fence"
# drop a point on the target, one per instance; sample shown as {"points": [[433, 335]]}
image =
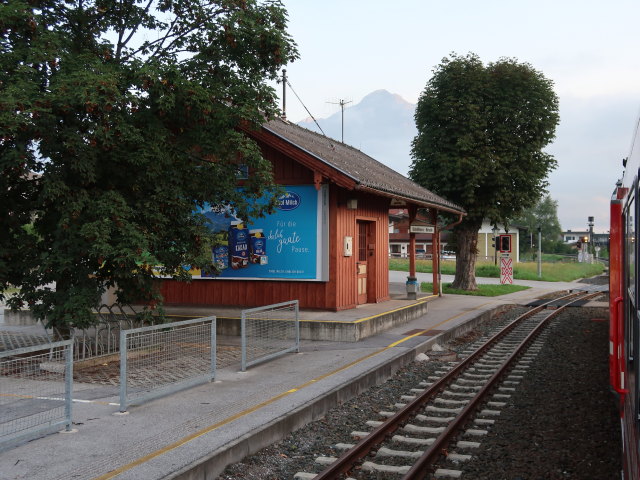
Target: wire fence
{"points": [[162, 359], [268, 332], [36, 385], [103, 338]]}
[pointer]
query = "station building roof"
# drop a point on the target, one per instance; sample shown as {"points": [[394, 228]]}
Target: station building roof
{"points": [[365, 172]]}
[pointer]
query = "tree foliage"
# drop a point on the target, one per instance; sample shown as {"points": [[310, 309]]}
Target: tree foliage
{"points": [[481, 134], [117, 119], [544, 214]]}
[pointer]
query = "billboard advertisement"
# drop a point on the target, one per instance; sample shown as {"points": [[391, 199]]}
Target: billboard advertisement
{"points": [[290, 244]]}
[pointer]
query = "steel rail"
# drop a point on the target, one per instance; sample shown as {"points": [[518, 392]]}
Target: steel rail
{"points": [[421, 467], [352, 457]]}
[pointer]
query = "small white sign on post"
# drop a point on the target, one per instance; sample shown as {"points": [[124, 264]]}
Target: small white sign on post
{"points": [[506, 271], [421, 229]]}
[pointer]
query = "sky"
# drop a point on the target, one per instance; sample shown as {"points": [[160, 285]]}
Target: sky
{"points": [[589, 49]]}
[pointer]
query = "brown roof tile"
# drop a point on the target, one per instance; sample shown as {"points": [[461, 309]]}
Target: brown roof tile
{"points": [[364, 170]]}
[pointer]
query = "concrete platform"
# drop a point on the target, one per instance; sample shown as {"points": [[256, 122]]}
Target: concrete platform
{"points": [[195, 433], [350, 325], [346, 326]]}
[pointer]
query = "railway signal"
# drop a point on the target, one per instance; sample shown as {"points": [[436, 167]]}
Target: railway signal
{"points": [[504, 243]]}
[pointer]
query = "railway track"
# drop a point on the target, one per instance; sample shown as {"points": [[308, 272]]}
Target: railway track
{"points": [[435, 429]]}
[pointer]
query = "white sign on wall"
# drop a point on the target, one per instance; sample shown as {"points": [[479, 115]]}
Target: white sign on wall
{"points": [[421, 229]]}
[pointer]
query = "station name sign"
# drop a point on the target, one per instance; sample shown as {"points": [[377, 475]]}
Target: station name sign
{"points": [[421, 229]]}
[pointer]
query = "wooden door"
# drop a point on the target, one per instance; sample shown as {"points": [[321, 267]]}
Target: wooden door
{"points": [[361, 262]]}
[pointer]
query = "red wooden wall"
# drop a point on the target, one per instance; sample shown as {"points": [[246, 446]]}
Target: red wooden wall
{"points": [[340, 292], [370, 208]]}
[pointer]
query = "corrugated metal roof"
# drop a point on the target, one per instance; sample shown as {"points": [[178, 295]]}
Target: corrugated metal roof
{"points": [[367, 172]]}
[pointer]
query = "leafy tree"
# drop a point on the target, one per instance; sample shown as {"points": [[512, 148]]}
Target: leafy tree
{"points": [[117, 119], [543, 214], [481, 131]]}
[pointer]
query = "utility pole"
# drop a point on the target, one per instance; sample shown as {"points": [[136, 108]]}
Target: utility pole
{"points": [[342, 103], [590, 221], [284, 93], [539, 252], [495, 245]]}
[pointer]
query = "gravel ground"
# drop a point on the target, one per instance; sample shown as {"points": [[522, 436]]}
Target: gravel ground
{"points": [[560, 424]]}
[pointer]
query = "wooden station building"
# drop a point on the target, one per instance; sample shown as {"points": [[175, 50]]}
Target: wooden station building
{"points": [[328, 244]]}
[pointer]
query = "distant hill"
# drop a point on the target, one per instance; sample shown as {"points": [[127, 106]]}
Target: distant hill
{"points": [[381, 125]]}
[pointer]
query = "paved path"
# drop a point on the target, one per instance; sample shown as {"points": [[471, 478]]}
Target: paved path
{"points": [[395, 276]]}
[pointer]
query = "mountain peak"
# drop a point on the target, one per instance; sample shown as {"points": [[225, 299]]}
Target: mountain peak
{"points": [[383, 94], [380, 125]]}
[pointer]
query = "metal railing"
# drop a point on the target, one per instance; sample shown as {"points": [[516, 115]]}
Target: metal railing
{"points": [[36, 385], [104, 337], [268, 332], [162, 359]]}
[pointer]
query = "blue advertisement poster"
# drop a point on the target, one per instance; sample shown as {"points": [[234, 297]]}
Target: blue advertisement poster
{"points": [[288, 244]]}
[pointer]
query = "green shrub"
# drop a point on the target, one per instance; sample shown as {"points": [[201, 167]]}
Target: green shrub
{"points": [[483, 290], [487, 270]]}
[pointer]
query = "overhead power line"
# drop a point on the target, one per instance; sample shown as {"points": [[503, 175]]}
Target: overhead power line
{"points": [[285, 82]]}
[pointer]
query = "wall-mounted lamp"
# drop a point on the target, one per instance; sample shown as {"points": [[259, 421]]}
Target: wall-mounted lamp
{"points": [[352, 204]]}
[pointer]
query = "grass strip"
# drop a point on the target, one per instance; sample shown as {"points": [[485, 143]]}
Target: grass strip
{"points": [[483, 290], [551, 272]]}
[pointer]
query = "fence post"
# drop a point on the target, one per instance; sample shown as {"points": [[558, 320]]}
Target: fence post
{"points": [[297, 327], [123, 371], [68, 385], [213, 350], [243, 336]]}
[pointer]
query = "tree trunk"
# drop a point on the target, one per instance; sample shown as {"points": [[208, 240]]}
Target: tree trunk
{"points": [[467, 238]]}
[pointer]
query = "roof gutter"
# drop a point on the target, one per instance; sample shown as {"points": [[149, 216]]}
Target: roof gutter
{"points": [[457, 222]]}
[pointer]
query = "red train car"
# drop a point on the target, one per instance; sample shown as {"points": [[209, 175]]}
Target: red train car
{"points": [[624, 325]]}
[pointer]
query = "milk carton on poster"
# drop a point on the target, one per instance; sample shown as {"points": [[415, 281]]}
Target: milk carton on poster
{"points": [[238, 245], [258, 247], [221, 256]]}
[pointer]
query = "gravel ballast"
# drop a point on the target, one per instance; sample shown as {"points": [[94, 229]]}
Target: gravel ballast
{"points": [[561, 423]]}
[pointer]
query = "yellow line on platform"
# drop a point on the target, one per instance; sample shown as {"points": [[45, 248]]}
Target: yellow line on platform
{"points": [[436, 325], [423, 300], [215, 426]]}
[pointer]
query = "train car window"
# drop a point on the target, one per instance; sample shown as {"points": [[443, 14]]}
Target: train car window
{"points": [[630, 248]]}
